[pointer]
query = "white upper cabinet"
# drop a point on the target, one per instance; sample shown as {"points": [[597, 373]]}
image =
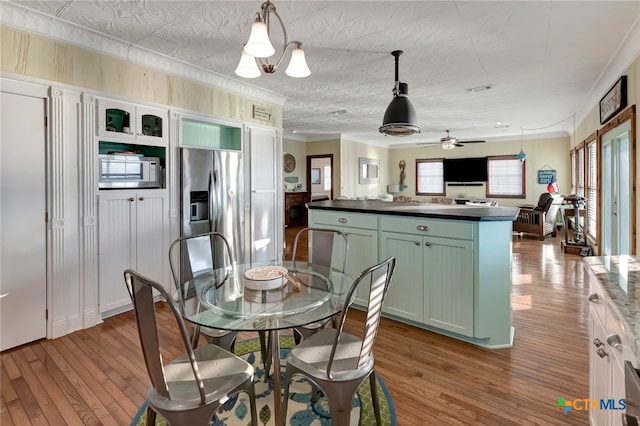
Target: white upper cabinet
{"points": [[124, 120]]}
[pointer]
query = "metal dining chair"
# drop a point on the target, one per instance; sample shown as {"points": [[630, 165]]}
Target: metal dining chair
{"points": [[338, 362], [197, 256], [189, 389], [321, 254]]}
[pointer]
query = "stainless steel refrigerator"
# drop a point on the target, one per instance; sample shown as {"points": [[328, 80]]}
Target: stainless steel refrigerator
{"points": [[212, 195]]}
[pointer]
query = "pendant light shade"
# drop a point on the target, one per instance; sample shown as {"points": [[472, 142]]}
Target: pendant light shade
{"points": [[400, 117], [259, 45], [298, 65], [521, 155], [247, 67]]}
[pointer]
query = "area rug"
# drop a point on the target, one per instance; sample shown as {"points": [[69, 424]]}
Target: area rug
{"points": [[301, 411]]}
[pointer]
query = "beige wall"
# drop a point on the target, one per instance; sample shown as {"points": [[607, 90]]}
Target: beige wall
{"points": [[349, 185], [299, 151], [36, 56], [541, 154]]}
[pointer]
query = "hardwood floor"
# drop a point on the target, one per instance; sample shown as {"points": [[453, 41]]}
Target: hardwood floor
{"points": [[97, 376]]}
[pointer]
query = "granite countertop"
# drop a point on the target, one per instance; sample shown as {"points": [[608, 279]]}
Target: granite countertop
{"points": [[437, 211], [619, 277]]}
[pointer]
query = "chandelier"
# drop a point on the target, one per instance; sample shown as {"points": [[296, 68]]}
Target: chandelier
{"points": [[259, 47]]}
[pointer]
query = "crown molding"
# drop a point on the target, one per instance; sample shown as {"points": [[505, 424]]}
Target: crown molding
{"points": [[33, 21]]}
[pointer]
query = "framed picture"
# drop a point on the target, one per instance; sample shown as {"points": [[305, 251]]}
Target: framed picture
{"points": [[369, 169], [315, 176], [614, 101]]}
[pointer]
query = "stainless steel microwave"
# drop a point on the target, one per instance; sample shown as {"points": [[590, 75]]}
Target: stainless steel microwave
{"points": [[129, 171]]}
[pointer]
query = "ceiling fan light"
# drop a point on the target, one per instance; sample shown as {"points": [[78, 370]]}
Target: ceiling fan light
{"points": [[259, 45], [400, 118], [247, 68], [298, 67], [449, 144]]}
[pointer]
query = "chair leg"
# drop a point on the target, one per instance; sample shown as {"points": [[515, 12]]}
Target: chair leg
{"points": [[151, 416], [285, 397], [265, 353], [251, 391], [374, 397]]}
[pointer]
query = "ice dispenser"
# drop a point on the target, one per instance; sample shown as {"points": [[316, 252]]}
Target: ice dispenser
{"points": [[199, 206]]}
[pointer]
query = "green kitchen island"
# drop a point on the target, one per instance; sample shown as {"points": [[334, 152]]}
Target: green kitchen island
{"points": [[453, 270]]}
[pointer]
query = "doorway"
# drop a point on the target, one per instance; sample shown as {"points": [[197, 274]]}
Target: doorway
{"points": [[320, 177], [617, 192]]}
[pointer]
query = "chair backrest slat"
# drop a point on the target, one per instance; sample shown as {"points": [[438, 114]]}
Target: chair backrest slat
{"points": [[378, 278]]}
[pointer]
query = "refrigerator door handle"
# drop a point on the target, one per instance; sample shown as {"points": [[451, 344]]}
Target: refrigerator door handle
{"points": [[212, 193]]}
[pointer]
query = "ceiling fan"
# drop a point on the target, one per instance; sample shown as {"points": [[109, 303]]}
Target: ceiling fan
{"points": [[449, 142]]}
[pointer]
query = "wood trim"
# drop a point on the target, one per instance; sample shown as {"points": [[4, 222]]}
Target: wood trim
{"points": [[333, 175], [628, 114]]}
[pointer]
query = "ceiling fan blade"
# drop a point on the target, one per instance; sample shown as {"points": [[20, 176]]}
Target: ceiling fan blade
{"points": [[471, 141]]}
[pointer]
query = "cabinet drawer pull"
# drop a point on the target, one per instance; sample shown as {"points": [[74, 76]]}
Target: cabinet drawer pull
{"points": [[614, 341], [416, 243], [342, 220], [422, 228], [601, 353], [597, 342], [131, 199], [593, 298], [141, 198], [427, 244]]}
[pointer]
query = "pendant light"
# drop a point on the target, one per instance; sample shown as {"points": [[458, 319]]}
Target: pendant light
{"points": [[521, 155], [259, 47], [400, 117]]}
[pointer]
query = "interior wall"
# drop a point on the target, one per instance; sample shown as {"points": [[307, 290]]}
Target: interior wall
{"points": [[591, 123], [541, 154], [37, 56], [299, 151], [349, 182]]}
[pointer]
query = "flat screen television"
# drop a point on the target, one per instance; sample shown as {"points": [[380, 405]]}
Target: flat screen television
{"points": [[465, 169]]}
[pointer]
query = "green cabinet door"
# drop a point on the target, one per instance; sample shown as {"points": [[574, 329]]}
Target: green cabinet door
{"points": [[405, 295], [363, 253], [448, 284]]}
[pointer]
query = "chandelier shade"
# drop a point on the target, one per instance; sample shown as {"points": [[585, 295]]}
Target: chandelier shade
{"points": [[260, 47], [298, 65], [247, 68]]}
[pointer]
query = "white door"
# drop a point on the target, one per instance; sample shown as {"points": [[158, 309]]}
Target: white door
{"points": [[22, 214], [265, 179], [616, 191]]}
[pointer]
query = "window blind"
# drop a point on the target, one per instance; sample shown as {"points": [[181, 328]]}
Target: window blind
{"points": [[592, 189], [430, 177], [505, 177]]}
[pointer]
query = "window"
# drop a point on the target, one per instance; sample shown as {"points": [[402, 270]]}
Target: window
{"points": [[327, 178], [580, 171], [592, 188], [574, 179], [506, 177], [430, 177]]}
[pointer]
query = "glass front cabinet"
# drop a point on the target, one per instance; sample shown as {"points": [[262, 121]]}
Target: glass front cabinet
{"points": [[124, 120]]}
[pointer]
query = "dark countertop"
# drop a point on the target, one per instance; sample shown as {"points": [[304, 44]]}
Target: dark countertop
{"points": [[619, 277], [436, 211]]}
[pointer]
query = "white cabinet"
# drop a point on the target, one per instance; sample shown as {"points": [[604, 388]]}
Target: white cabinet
{"points": [[362, 234], [147, 125], [433, 282], [263, 172], [609, 349], [133, 233]]}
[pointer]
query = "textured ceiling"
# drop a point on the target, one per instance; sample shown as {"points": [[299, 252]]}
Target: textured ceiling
{"points": [[542, 59]]}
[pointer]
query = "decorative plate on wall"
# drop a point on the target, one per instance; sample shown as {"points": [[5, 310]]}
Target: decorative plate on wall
{"points": [[289, 163]]}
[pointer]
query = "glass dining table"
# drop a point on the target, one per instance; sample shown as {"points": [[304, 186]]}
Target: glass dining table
{"points": [[266, 297]]}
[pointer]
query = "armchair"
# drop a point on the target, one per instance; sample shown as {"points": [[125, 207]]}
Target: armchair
{"points": [[541, 219]]}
